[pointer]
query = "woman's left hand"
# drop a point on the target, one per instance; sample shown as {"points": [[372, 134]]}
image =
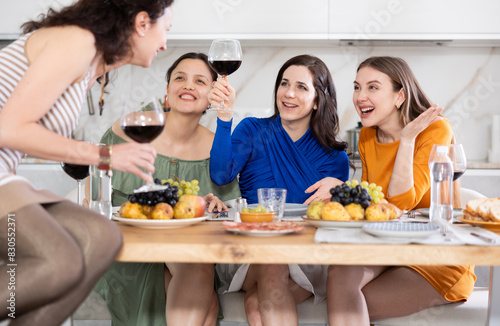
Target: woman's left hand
{"points": [[214, 202], [322, 188]]}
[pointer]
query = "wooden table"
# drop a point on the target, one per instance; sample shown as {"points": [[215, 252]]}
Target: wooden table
{"points": [[208, 242]]}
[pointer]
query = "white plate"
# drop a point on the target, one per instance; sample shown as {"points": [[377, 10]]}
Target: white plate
{"points": [[239, 228], [401, 229], [337, 224], [290, 209], [425, 212], [160, 224]]}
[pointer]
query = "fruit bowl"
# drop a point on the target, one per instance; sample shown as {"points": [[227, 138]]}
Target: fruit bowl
{"points": [[257, 217]]}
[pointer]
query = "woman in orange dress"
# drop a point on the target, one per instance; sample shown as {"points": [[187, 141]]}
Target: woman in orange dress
{"points": [[400, 125]]}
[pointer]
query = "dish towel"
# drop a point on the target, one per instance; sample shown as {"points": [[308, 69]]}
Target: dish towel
{"points": [[461, 235]]}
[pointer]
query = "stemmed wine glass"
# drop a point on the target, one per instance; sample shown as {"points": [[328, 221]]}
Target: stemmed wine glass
{"points": [[225, 58], [456, 154], [77, 172], [143, 122]]}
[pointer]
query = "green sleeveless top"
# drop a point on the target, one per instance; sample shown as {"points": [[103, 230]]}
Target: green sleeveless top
{"points": [[167, 167]]}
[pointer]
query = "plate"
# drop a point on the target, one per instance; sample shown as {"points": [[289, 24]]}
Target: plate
{"points": [[483, 224], [401, 229], [160, 224], [425, 212], [290, 209], [337, 224], [260, 229]]}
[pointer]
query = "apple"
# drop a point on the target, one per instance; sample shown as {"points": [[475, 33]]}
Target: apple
{"points": [[162, 211], [198, 203], [184, 209]]}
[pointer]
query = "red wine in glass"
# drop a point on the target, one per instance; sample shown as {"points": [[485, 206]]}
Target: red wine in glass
{"points": [[77, 172], [143, 121], [143, 134], [457, 174], [225, 67], [225, 58]]}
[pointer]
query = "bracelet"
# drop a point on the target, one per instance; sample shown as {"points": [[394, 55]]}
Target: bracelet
{"points": [[105, 152]]}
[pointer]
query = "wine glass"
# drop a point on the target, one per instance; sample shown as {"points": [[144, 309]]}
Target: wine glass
{"points": [[143, 121], [225, 58], [77, 172], [457, 155]]}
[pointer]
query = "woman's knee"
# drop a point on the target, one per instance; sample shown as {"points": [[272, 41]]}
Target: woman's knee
{"points": [[193, 272], [272, 273]]}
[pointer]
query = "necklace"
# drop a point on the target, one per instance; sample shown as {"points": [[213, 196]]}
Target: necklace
{"points": [[103, 84]]}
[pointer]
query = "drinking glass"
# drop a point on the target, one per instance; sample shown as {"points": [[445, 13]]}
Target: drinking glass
{"points": [[77, 172], [143, 121], [457, 156], [273, 199], [225, 58]]}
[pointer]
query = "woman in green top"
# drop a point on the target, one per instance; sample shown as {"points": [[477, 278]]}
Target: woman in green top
{"points": [[143, 293]]}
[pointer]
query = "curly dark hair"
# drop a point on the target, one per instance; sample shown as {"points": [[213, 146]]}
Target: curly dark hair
{"points": [[324, 121], [190, 55], [111, 22]]}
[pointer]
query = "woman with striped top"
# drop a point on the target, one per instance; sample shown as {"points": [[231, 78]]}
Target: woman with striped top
{"points": [[62, 249]]}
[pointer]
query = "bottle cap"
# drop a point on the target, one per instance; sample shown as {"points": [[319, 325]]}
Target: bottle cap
{"points": [[442, 150], [240, 200]]}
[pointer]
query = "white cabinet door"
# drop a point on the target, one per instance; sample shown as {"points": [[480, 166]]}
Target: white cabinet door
{"points": [[374, 18], [249, 19], [14, 13]]}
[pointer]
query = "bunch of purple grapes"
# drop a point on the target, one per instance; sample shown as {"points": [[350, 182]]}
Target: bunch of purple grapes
{"points": [[168, 195], [347, 195]]}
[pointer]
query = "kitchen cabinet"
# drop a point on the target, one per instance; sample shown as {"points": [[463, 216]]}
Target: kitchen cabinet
{"points": [[14, 13], [256, 19], [414, 20]]}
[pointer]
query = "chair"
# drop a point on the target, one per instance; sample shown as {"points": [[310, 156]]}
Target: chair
{"points": [[468, 194]]}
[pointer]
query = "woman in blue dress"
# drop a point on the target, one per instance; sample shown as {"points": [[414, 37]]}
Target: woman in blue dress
{"points": [[296, 149]]}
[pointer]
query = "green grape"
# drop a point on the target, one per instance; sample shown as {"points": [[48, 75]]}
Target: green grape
{"points": [[195, 183], [188, 191], [195, 193], [354, 183], [348, 183], [187, 185], [180, 192], [196, 188], [171, 181], [175, 183], [364, 184]]}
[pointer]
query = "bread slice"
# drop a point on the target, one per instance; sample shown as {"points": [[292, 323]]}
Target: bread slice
{"points": [[485, 206], [472, 206], [495, 213]]}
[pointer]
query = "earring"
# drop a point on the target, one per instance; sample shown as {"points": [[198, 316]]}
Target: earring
{"points": [[141, 34]]}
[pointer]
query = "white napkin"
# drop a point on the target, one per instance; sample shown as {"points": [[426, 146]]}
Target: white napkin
{"points": [[461, 234]]}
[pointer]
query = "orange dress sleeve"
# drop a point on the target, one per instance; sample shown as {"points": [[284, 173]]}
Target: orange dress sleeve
{"points": [[378, 162]]}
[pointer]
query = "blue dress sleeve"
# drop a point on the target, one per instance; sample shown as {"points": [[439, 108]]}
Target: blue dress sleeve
{"points": [[229, 154]]}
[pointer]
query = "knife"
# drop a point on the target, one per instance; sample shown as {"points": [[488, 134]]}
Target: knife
{"points": [[484, 238]]}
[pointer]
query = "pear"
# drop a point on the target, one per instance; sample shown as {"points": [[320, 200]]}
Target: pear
{"points": [[314, 209]]}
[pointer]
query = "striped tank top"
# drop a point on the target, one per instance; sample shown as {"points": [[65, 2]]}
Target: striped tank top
{"points": [[62, 118]]}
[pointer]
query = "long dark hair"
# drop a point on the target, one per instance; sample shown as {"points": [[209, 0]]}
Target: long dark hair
{"points": [[190, 55], [402, 77], [324, 121], [111, 22]]}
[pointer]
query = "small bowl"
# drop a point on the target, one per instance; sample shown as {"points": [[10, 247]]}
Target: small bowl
{"points": [[257, 217]]}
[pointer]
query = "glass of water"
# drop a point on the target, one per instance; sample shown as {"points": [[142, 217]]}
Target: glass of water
{"points": [[273, 199]]}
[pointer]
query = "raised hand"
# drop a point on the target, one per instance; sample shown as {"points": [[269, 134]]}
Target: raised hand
{"points": [[415, 127]]}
